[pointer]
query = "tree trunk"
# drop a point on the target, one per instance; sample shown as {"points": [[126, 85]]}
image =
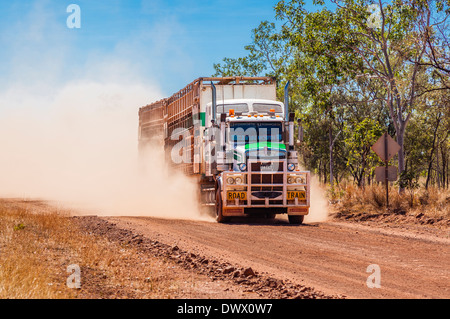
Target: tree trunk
{"points": [[401, 153], [361, 181], [330, 139], [429, 170], [320, 170], [447, 160], [447, 169], [444, 171], [430, 161], [438, 177]]}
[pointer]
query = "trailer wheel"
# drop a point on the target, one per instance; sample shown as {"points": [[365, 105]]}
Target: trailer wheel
{"points": [[295, 220], [219, 207]]}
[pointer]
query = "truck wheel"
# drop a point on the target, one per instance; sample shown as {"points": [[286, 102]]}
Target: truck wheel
{"points": [[295, 220], [219, 207]]}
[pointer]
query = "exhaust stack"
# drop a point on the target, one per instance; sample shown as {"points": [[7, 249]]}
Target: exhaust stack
{"points": [[214, 103], [286, 102]]}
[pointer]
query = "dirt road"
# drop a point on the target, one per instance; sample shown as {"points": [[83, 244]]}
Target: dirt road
{"points": [[332, 257]]}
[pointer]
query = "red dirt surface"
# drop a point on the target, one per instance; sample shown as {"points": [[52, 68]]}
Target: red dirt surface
{"points": [[277, 260]]}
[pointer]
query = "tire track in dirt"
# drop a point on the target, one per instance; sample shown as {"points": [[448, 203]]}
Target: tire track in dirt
{"points": [[243, 279], [331, 257]]}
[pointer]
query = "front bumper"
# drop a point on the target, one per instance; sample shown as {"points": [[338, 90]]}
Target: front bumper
{"points": [[267, 191]]}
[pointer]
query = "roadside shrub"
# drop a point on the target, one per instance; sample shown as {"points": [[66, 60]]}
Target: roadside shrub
{"points": [[351, 200]]}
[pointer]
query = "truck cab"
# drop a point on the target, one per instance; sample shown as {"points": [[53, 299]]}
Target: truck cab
{"points": [[257, 170]]}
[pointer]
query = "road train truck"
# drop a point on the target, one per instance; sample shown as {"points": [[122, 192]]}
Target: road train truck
{"points": [[236, 140]]}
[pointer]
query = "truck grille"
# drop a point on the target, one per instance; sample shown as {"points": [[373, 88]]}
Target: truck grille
{"points": [[269, 182], [267, 178], [267, 166]]}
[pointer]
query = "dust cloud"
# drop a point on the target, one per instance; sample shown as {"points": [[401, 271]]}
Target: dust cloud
{"points": [[77, 146], [318, 211]]}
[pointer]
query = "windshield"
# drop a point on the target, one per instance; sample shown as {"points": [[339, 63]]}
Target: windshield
{"points": [[247, 133], [265, 108], [238, 108]]}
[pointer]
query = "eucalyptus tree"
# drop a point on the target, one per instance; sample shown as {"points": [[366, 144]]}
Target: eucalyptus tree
{"points": [[360, 59], [394, 50]]}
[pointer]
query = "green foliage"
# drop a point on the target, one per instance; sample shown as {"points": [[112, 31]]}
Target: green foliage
{"points": [[238, 67], [351, 75], [264, 55], [19, 226], [408, 179], [359, 138]]}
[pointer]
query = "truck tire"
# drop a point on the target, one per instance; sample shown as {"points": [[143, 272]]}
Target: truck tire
{"points": [[295, 220], [219, 207]]}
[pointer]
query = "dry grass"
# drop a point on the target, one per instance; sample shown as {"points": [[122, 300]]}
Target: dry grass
{"points": [[26, 244], [371, 200], [38, 243]]}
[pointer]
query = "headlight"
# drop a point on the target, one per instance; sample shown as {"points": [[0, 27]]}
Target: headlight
{"points": [[230, 180], [243, 167], [235, 179], [293, 179], [291, 166]]}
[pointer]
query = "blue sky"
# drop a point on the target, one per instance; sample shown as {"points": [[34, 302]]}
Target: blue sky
{"points": [[169, 43], [69, 98]]}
